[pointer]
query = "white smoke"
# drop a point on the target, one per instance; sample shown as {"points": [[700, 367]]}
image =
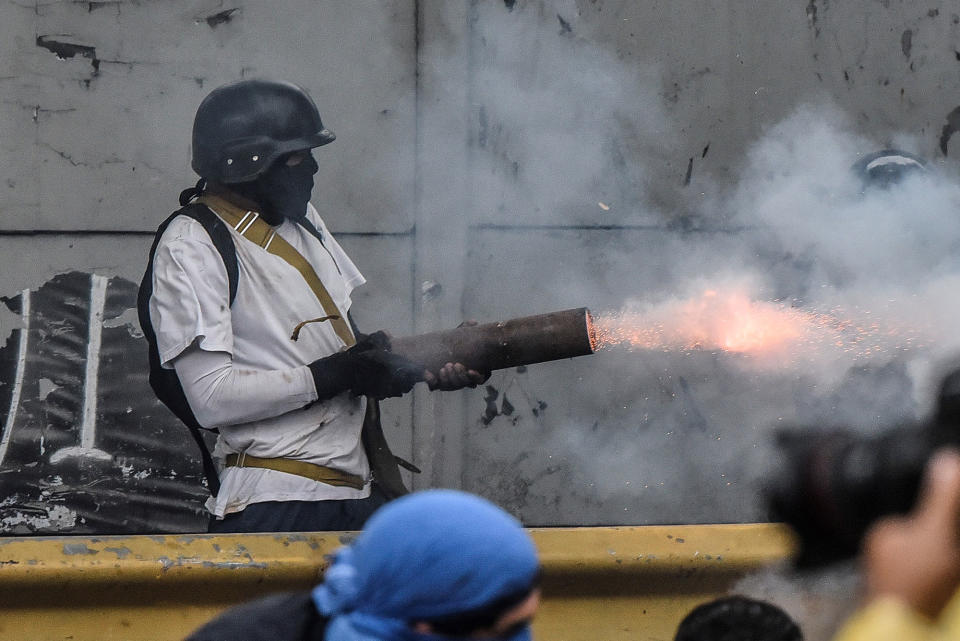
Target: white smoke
{"points": [[888, 255], [819, 602], [564, 131], [569, 135]]}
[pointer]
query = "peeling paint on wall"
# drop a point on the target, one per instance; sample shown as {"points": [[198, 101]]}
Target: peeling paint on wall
{"points": [[86, 447], [66, 50]]}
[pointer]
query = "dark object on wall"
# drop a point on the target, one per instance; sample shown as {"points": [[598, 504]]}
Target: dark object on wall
{"points": [[511, 343], [85, 447], [888, 167], [834, 485]]}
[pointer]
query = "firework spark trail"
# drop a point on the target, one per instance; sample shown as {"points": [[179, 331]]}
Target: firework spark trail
{"points": [[768, 331]]}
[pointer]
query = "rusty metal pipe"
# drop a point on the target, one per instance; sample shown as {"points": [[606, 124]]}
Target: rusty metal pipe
{"points": [[511, 343]]}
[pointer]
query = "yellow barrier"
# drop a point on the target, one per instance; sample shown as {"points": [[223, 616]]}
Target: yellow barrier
{"points": [[602, 584]]}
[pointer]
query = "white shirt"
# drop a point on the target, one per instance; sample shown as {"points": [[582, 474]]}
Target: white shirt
{"points": [[190, 306]]}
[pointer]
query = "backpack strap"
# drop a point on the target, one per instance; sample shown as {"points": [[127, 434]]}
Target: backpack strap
{"points": [[165, 383]]}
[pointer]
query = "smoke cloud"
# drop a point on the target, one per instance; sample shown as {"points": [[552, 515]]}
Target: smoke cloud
{"points": [[565, 132], [581, 201]]}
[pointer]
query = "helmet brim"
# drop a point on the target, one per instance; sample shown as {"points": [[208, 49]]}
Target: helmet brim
{"points": [[243, 168], [321, 138]]}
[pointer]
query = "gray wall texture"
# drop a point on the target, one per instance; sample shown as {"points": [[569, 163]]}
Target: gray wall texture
{"points": [[494, 159]]}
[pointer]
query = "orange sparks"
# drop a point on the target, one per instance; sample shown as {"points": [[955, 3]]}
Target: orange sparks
{"points": [[733, 322]]}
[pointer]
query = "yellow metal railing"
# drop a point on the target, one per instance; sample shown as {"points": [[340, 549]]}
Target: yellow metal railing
{"points": [[599, 583]]}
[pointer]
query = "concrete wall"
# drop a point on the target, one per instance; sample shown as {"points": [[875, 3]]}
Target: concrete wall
{"points": [[476, 141]]}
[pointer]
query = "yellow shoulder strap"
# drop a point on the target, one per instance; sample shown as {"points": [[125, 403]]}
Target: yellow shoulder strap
{"points": [[258, 231]]}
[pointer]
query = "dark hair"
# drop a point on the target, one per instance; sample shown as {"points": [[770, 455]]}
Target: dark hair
{"points": [[188, 194], [461, 624], [738, 618]]}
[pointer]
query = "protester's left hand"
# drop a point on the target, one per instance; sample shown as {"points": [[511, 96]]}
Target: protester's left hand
{"points": [[454, 376]]}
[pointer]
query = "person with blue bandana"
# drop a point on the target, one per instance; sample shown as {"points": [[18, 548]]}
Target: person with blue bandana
{"points": [[438, 565]]}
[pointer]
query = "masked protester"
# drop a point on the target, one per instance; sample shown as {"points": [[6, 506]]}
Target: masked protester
{"points": [[439, 565], [245, 305]]}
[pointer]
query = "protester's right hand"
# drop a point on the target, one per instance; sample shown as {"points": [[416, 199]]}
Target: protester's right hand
{"points": [[382, 374], [916, 558], [368, 368], [377, 340]]}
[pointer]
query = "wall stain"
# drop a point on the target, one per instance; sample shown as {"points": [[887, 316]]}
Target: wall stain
{"points": [[674, 95], [906, 42], [93, 5], [491, 412], [539, 409], [812, 18], [953, 125], [221, 17]]}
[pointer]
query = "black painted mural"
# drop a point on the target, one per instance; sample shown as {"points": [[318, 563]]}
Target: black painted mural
{"points": [[85, 446]]}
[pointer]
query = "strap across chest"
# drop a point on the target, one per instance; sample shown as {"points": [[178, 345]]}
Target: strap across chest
{"points": [[251, 226]]}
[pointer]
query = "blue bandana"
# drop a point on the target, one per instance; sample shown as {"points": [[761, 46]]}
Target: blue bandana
{"points": [[425, 556]]}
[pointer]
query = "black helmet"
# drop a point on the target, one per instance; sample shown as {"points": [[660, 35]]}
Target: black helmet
{"points": [[888, 167], [241, 128]]}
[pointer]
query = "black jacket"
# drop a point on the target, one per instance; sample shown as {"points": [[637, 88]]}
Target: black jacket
{"points": [[290, 616]]}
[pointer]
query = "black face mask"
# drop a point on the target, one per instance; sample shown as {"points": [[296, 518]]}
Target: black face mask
{"points": [[283, 191]]}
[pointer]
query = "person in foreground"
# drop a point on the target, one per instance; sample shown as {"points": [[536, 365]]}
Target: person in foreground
{"points": [[912, 566], [738, 618], [431, 566]]}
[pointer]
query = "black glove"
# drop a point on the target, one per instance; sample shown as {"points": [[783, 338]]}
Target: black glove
{"points": [[377, 340], [366, 369], [383, 374]]}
